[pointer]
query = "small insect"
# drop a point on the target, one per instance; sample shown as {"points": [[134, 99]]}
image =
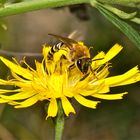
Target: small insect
{"points": [[78, 53]]}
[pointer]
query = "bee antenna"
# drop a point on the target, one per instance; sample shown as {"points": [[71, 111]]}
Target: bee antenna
{"points": [[90, 48], [97, 59]]}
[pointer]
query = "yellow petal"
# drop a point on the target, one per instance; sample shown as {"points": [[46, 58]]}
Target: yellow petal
{"points": [[18, 96], [25, 85], [86, 102], [17, 68], [45, 51], [129, 77], [97, 59], [2, 91], [91, 89], [8, 101], [103, 73], [3, 100], [111, 53], [50, 65], [68, 108], [52, 108], [68, 93], [41, 74], [29, 102], [18, 78], [100, 55], [132, 80], [55, 85], [3, 82], [40, 69], [104, 89], [110, 96], [57, 56]]}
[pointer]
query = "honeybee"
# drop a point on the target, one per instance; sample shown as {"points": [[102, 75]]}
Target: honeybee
{"points": [[78, 54]]}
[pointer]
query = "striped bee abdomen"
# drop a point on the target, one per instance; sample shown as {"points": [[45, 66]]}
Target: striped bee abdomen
{"points": [[54, 49]]}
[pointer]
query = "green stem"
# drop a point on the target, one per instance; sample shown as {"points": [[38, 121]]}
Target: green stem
{"points": [[32, 5], [59, 123]]}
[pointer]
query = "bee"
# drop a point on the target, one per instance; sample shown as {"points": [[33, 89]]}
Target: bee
{"points": [[78, 54]]}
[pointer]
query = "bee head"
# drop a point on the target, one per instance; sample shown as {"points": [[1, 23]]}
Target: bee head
{"points": [[83, 64]]}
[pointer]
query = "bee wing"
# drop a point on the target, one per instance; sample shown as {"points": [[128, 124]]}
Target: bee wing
{"points": [[73, 34], [67, 41], [76, 35]]}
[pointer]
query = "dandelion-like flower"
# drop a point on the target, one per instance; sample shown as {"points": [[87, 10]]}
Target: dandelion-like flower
{"points": [[52, 80]]}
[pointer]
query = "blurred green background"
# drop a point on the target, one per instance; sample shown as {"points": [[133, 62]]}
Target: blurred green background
{"points": [[112, 120]]}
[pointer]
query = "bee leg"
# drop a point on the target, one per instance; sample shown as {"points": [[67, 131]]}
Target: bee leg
{"points": [[84, 76], [61, 64], [71, 66], [93, 72], [99, 68], [63, 57]]}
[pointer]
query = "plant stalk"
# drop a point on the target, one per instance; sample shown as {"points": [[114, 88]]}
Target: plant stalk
{"points": [[33, 5], [59, 122]]}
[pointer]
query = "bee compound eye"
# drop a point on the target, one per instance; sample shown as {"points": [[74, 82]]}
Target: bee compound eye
{"points": [[79, 64], [85, 68], [83, 65]]}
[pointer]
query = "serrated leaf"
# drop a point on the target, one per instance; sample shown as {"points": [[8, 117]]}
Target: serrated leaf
{"points": [[131, 33]]}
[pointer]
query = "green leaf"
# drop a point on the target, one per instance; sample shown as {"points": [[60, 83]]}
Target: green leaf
{"points": [[119, 12], [131, 33], [129, 3], [136, 20]]}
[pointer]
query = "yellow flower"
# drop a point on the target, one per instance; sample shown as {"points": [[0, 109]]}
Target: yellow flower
{"points": [[53, 81]]}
